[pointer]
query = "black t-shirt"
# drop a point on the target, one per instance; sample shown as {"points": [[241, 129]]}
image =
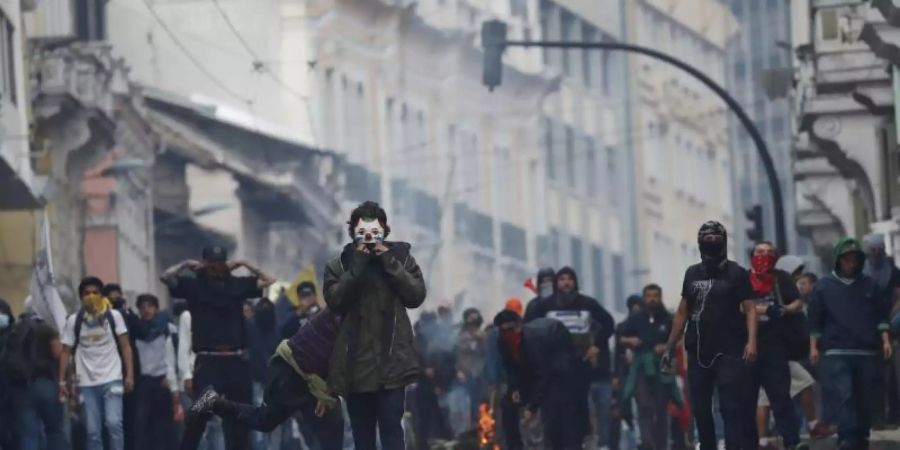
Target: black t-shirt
{"points": [[217, 309], [770, 331], [45, 365], [652, 328], [716, 323]]}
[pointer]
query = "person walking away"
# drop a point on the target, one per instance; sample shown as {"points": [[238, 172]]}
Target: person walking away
{"points": [[470, 360], [118, 301], [218, 331], [154, 399], [307, 308], [296, 381], [371, 284], [97, 339], [541, 362], [591, 326], [881, 268], [720, 338], [34, 359], [849, 330], [646, 333], [776, 297], [546, 287]]}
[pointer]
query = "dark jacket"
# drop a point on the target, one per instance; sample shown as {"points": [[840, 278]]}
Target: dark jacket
{"points": [[312, 345], [602, 326], [547, 361], [848, 316], [375, 347]]}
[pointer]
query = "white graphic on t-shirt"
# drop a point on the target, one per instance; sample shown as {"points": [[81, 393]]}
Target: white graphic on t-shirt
{"points": [[577, 322], [701, 290]]}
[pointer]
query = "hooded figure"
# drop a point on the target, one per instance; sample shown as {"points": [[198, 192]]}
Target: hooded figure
{"points": [[880, 266], [713, 241], [546, 287]]}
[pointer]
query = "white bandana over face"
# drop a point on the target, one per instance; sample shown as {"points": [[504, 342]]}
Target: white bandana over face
{"points": [[369, 232]]}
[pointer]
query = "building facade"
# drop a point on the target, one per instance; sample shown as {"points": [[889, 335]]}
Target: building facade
{"points": [[682, 167], [759, 77]]}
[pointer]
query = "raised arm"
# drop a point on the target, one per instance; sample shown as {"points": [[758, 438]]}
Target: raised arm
{"points": [[169, 277], [263, 279]]}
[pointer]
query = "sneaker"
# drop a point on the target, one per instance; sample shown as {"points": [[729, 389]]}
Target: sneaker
{"points": [[821, 431], [204, 403]]}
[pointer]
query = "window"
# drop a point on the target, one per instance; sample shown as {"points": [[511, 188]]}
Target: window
{"points": [[588, 34], [597, 263], [618, 276], [570, 157], [612, 176], [548, 149], [568, 29], [590, 166], [829, 29], [519, 8], [740, 70], [577, 258], [7, 52], [90, 19]]}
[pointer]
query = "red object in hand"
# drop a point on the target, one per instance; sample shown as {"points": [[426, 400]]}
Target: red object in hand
{"points": [[529, 283]]}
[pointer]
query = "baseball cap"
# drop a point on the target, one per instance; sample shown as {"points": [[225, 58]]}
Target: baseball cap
{"points": [[306, 288], [215, 254]]}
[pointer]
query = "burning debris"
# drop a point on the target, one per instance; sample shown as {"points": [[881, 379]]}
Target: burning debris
{"points": [[487, 428]]}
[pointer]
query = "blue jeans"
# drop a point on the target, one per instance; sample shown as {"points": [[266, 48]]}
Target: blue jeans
{"points": [[601, 396], [849, 381], [39, 410], [102, 405]]}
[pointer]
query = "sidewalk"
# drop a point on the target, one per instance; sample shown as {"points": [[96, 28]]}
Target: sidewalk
{"points": [[881, 440]]}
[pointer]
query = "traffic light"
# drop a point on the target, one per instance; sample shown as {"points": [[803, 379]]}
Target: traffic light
{"points": [[493, 42], [755, 219]]}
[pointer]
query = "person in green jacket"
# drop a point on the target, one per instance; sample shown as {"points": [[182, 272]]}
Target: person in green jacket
{"points": [[371, 284]]}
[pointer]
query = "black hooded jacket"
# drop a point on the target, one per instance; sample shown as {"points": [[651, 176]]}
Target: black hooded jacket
{"points": [[582, 316]]}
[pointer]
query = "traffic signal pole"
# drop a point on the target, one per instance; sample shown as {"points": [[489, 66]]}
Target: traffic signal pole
{"points": [[494, 42]]}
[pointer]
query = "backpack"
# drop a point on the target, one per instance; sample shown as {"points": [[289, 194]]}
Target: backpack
{"points": [[21, 350], [108, 317]]}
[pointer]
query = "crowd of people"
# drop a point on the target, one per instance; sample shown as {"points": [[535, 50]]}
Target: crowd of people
{"points": [[750, 359]]}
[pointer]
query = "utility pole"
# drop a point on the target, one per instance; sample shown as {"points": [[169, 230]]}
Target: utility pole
{"points": [[493, 42]]}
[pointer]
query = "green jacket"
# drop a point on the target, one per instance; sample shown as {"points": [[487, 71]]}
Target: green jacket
{"points": [[375, 348], [646, 364]]}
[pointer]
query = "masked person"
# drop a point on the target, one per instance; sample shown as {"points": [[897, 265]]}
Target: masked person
{"points": [[540, 361], [154, 397], [97, 339], [546, 286], [371, 285], [117, 299], [296, 382], [591, 326], [307, 308], [646, 334], [849, 329], [215, 301], [776, 297], [880, 267], [497, 380], [717, 306]]}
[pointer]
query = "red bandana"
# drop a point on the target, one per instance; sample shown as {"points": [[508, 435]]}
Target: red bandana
{"points": [[761, 276]]}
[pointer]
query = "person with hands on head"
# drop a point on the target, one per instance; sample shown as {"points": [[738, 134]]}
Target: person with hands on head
{"points": [[371, 284], [540, 361], [215, 300], [97, 339], [717, 316], [848, 318]]}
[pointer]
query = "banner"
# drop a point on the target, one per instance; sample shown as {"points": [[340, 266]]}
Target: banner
{"points": [[44, 300]]}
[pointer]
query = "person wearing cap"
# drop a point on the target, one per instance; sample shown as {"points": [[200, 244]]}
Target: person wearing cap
{"points": [[215, 301], [848, 319], [307, 308], [718, 310], [541, 364]]}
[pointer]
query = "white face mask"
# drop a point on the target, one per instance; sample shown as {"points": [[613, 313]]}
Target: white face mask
{"points": [[546, 289], [4, 321], [368, 232]]}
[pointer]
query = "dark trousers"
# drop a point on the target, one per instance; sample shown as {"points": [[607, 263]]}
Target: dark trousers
{"points": [[509, 420], [428, 417], [772, 373], [286, 393], [381, 410], [653, 414], [229, 376], [850, 381], [564, 430], [728, 375], [154, 424], [39, 412]]}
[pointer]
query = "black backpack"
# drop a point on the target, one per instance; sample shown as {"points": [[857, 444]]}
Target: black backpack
{"points": [[21, 350]]}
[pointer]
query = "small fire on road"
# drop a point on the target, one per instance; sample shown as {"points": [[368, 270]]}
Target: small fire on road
{"points": [[487, 428]]}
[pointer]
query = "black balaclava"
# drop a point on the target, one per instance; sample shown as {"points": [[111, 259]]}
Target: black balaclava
{"points": [[548, 289], [712, 254], [567, 298]]}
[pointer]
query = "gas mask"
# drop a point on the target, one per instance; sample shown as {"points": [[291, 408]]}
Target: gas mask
{"points": [[368, 232], [713, 242]]}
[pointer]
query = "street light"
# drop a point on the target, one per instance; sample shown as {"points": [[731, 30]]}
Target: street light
{"points": [[493, 42]]}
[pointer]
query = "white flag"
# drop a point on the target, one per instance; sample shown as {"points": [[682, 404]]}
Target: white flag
{"points": [[44, 299]]}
